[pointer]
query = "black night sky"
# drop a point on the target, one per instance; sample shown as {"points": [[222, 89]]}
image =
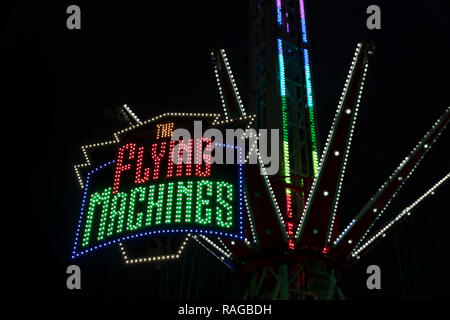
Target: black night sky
{"points": [[155, 58]]}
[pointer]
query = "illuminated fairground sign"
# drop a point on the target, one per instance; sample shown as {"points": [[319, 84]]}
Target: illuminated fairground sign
{"points": [[145, 183]]}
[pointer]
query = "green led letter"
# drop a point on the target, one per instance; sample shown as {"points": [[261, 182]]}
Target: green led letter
{"points": [[169, 202], [158, 204], [131, 224], [96, 199], [225, 204], [117, 213], [186, 192], [201, 202]]}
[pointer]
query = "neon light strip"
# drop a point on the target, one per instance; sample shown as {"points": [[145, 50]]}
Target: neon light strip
{"points": [[224, 246], [287, 169], [221, 258], [279, 16], [131, 113], [225, 252], [233, 82], [303, 21], [285, 133], [309, 95], [250, 218], [172, 256]]}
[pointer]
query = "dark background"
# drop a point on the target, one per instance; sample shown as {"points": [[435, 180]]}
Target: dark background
{"points": [[60, 82]]}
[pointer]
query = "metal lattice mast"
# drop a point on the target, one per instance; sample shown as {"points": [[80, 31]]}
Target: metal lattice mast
{"points": [[282, 93], [280, 81]]}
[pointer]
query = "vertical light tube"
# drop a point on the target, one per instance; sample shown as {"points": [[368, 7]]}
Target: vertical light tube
{"points": [[309, 95], [285, 132], [284, 117]]}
